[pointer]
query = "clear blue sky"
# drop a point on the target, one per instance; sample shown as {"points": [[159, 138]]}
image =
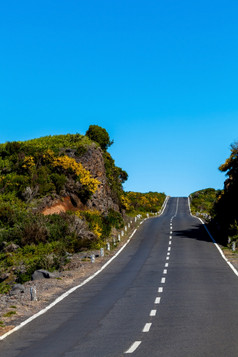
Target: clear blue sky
{"points": [[160, 76]]}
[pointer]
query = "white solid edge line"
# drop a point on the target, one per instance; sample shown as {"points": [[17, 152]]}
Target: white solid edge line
{"points": [[67, 293], [70, 291], [214, 242], [133, 347]]}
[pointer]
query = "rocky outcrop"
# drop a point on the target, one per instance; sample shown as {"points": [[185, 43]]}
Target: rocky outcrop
{"points": [[102, 199]]}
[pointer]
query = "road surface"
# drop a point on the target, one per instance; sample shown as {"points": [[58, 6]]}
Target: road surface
{"points": [[169, 294]]}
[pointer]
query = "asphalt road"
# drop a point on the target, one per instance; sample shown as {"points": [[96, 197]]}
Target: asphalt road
{"points": [[169, 293]]}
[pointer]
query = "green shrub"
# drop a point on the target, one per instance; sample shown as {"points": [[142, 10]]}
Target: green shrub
{"points": [[115, 176], [100, 136], [59, 181], [203, 201], [9, 313], [102, 224], [4, 288], [81, 150]]}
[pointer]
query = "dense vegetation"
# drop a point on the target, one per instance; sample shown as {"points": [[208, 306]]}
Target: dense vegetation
{"points": [[221, 205], [41, 170], [39, 167], [49, 167], [99, 135], [225, 212], [203, 201], [136, 202]]}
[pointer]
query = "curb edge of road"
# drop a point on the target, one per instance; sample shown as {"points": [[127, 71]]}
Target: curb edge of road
{"points": [[214, 242], [71, 290]]}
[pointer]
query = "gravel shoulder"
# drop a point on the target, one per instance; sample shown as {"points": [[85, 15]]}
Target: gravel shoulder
{"points": [[231, 256], [15, 309]]}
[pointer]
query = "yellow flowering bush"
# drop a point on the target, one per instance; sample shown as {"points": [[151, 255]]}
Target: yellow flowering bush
{"points": [[142, 202], [85, 178], [94, 219], [48, 155], [28, 162], [126, 202]]}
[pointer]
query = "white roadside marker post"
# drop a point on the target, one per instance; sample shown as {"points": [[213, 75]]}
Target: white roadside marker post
{"points": [[33, 293], [233, 246]]}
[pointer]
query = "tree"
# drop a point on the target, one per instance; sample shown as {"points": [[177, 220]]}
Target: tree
{"points": [[100, 135], [225, 207]]}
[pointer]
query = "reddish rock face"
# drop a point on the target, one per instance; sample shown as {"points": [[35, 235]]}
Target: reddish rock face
{"points": [[59, 206]]}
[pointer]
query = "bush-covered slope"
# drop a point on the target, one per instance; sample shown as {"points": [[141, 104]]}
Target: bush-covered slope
{"points": [[225, 217], [221, 205], [202, 201], [136, 202], [70, 175], [59, 195]]}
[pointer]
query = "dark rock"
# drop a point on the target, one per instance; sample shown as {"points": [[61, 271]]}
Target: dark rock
{"points": [[42, 274], [17, 288]]}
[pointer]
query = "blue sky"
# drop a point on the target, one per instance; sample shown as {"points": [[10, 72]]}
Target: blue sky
{"points": [[160, 76]]}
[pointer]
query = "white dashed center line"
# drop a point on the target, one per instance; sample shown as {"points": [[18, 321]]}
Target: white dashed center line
{"points": [[170, 243], [157, 300], [133, 347], [160, 290], [147, 327], [169, 248], [166, 265], [165, 271], [153, 312], [163, 280]]}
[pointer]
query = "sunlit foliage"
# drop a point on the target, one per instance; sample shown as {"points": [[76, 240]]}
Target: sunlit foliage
{"points": [[142, 202], [202, 201]]}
